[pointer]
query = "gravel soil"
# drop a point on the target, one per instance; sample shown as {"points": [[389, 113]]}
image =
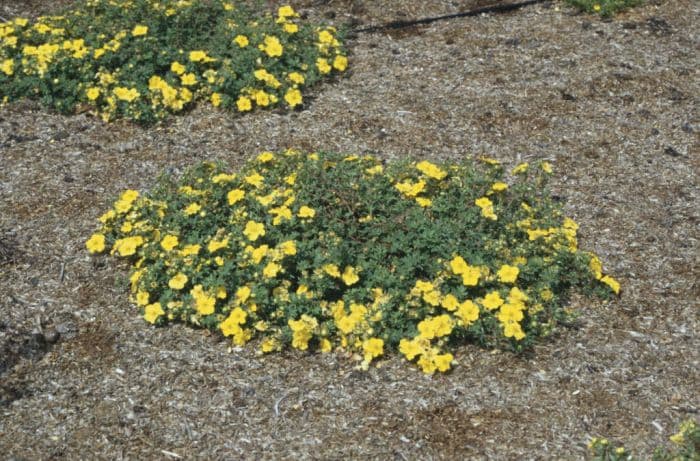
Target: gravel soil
{"points": [[612, 104]]}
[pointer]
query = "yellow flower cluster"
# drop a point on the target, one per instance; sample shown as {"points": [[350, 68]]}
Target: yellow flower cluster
{"points": [[255, 70], [258, 253]]}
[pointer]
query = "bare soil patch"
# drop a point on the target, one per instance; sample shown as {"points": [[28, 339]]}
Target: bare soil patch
{"points": [[612, 104]]}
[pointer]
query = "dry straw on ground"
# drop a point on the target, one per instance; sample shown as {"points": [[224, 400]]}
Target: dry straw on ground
{"points": [[612, 104]]}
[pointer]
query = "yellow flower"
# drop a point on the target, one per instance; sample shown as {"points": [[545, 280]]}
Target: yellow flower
{"points": [[427, 361], [204, 303], [350, 276], [516, 296], [265, 157], [458, 265], [142, 298], [271, 270], [435, 327], [483, 202], [306, 212], [178, 281], [510, 312], [271, 46], [449, 302], [596, 7], [411, 348], [190, 250], [326, 37], [223, 177], [410, 189], [486, 206], [373, 347], [286, 11], [424, 202], [423, 287], [508, 274], [468, 312], [521, 168], [242, 294], [254, 179], [340, 63], [492, 300], [188, 79], [270, 344], [169, 242], [152, 312], [288, 248], [325, 345], [96, 243], [254, 230], [470, 276], [234, 196], [512, 329], [431, 170], [126, 94], [192, 208], [612, 283], [293, 97], [499, 186], [7, 66], [232, 324], [92, 93], [215, 245], [332, 270], [432, 297], [257, 254], [127, 246], [139, 30], [323, 66], [281, 213], [241, 41], [296, 77], [199, 56], [303, 331], [215, 99], [262, 99], [290, 28], [443, 362], [178, 68], [546, 167]]}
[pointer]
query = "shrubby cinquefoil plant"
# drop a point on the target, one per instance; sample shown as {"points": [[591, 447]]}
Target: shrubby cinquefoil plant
{"points": [[322, 251], [144, 59], [686, 447]]}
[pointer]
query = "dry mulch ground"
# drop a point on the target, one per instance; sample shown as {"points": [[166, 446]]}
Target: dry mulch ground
{"points": [[613, 105]]}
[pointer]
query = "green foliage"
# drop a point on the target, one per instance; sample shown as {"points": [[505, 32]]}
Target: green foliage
{"points": [[686, 447], [604, 8], [342, 252], [144, 59]]}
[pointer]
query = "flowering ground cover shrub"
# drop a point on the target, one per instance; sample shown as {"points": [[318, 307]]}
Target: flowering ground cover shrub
{"points": [[604, 8], [686, 441], [322, 251], [145, 59]]}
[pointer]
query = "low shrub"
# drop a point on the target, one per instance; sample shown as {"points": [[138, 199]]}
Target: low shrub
{"points": [[145, 59], [604, 8], [686, 447], [328, 252]]}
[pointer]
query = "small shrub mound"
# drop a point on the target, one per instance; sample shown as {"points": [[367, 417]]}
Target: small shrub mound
{"points": [[332, 252], [604, 8], [686, 447], [145, 59]]}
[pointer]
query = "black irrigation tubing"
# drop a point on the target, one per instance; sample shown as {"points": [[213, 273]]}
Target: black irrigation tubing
{"points": [[498, 8]]}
